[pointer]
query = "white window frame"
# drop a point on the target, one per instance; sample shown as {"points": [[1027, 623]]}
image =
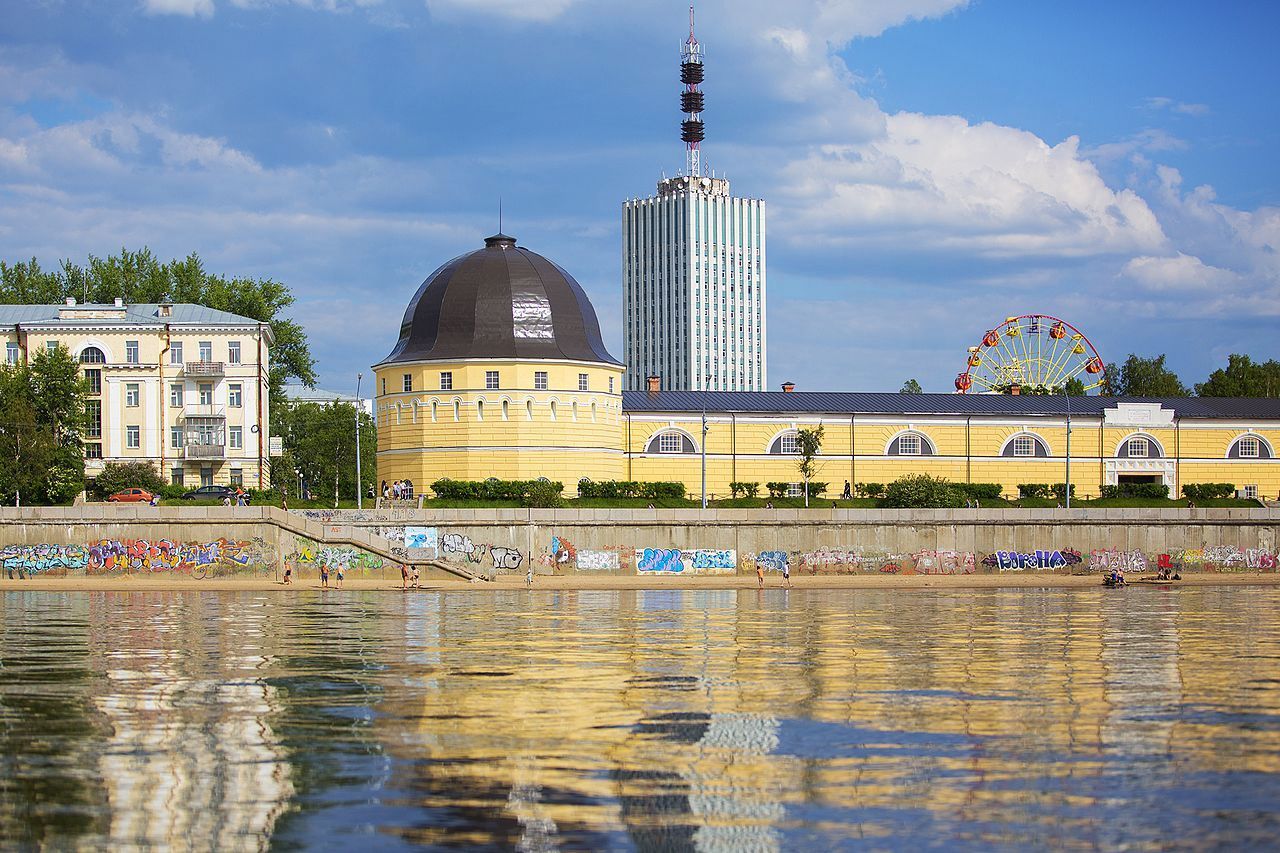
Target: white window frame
{"points": [[132, 395], [1138, 441], [177, 394], [446, 381], [1251, 491], [235, 437], [206, 350], [133, 437], [795, 490], [491, 380], [790, 445], [584, 382], [670, 442], [131, 352], [233, 352], [1024, 445], [235, 395], [1250, 441], [204, 393], [175, 437], [910, 444], [406, 382], [540, 380], [12, 352], [175, 353]]}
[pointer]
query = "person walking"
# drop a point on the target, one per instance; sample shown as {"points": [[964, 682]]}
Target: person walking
{"points": [[847, 494], [288, 574], [786, 574], [759, 575], [528, 577]]}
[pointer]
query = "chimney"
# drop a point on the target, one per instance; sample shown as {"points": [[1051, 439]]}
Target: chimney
{"points": [[71, 300], [655, 384], [1015, 390], [119, 302], [165, 309], [788, 387]]}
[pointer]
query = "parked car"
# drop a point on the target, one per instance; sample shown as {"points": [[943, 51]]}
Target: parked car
{"points": [[131, 496], [216, 493]]}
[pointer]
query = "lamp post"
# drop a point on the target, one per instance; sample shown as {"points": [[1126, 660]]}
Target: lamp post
{"points": [[359, 482], [1066, 395], [704, 458]]}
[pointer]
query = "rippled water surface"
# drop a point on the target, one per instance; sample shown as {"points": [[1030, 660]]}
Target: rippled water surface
{"points": [[724, 720]]}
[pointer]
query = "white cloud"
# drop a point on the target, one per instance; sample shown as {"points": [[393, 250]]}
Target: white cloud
{"points": [[190, 8], [1187, 109], [1180, 272], [521, 10]]}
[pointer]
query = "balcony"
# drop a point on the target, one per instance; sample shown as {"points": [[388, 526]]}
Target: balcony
{"points": [[204, 410], [204, 368], [205, 451]]}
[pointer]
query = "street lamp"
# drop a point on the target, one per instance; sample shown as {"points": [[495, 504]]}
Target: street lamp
{"points": [[359, 482], [1067, 395], [704, 458]]}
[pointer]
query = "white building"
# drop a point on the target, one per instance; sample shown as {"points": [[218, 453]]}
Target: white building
{"points": [[693, 269], [181, 386]]}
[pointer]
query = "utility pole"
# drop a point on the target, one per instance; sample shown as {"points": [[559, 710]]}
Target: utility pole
{"points": [[704, 458], [359, 483], [1068, 483]]}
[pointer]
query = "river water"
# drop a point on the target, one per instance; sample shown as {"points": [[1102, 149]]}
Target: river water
{"points": [[673, 720]]}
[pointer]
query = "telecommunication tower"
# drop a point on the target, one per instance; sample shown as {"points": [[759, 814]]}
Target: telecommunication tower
{"points": [[691, 130]]}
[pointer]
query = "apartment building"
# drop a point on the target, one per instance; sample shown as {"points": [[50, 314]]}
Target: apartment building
{"points": [[182, 386]]}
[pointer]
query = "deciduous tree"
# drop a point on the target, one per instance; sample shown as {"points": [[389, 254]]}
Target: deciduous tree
{"points": [[1242, 377]]}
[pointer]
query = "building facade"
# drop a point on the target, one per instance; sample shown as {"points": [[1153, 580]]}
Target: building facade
{"points": [[693, 271], [178, 385]]}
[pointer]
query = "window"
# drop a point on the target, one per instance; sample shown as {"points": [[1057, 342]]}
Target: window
{"points": [[1024, 445], [235, 395], [235, 437], [909, 445], [610, 384], [206, 475], [206, 350], [670, 442], [93, 419], [435, 410], [553, 410], [790, 443], [11, 353], [131, 352], [384, 385], [1251, 492], [237, 477], [795, 490], [1139, 448], [406, 382], [540, 380], [51, 346], [176, 477], [131, 395], [480, 410], [175, 352], [94, 380], [528, 409], [1250, 447], [133, 437], [457, 410], [583, 383], [205, 390], [233, 352], [491, 380], [446, 381], [175, 438], [506, 410], [93, 451]]}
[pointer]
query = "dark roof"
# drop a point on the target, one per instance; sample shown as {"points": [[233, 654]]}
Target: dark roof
{"points": [[858, 403], [129, 314], [502, 301]]}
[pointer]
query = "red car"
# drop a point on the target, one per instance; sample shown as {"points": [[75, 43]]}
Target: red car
{"points": [[131, 496]]}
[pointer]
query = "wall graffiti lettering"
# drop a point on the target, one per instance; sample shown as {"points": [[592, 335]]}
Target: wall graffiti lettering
{"points": [[164, 555], [1018, 561], [773, 561], [944, 562], [459, 548], [23, 560], [334, 557], [506, 559], [1111, 559], [599, 561], [696, 561], [392, 534]]}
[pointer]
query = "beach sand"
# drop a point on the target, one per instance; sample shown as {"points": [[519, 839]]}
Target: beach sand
{"points": [[309, 581]]}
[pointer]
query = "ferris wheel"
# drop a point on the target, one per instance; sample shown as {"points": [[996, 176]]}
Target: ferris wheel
{"points": [[1035, 353]]}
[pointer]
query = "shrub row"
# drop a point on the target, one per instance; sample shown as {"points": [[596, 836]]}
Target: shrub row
{"points": [[528, 492], [779, 489], [744, 490], [1136, 490], [630, 489], [1045, 490], [1208, 491]]}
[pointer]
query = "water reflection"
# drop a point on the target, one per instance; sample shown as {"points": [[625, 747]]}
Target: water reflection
{"points": [[664, 719]]}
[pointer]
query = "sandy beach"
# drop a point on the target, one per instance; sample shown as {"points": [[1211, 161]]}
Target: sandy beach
{"points": [[1008, 580]]}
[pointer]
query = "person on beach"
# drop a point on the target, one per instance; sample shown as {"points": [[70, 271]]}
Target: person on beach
{"points": [[786, 574], [404, 576], [528, 577], [416, 578], [760, 575], [340, 576], [324, 575], [288, 574]]}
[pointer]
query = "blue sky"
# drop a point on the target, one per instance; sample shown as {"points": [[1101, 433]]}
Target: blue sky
{"points": [[931, 166]]}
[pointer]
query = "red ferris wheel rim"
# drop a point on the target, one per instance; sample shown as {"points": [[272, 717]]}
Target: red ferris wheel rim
{"points": [[1009, 321]]}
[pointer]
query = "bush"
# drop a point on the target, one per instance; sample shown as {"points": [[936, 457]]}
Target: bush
{"points": [[173, 493], [1148, 491], [868, 490], [118, 476], [922, 490], [980, 491], [615, 489], [527, 492], [777, 490], [817, 489], [1208, 491], [744, 490], [1033, 490], [1060, 490]]}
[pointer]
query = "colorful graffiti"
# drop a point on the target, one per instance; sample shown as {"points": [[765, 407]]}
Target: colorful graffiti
{"points": [[598, 561], [773, 561], [335, 557], [23, 560], [698, 561], [1213, 558], [421, 537], [562, 552], [1113, 559], [944, 562], [1019, 561], [163, 555]]}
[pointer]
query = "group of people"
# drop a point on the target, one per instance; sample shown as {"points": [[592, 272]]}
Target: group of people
{"points": [[786, 575], [237, 498], [398, 490], [409, 577]]}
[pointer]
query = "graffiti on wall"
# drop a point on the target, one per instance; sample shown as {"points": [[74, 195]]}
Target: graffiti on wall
{"points": [[1213, 558], [944, 562], [334, 557], [23, 560], [505, 559], [391, 534], [773, 561], [459, 548], [421, 537], [1019, 561], [697, 561], [562, 552], [1112, 559], [597, 561]]}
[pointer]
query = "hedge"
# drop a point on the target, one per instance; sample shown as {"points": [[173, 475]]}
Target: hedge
{"points": [[984, 491], [744, 490], [613, 489], [1136, 490], [528, 492], [1208, 491], [922, 490]]}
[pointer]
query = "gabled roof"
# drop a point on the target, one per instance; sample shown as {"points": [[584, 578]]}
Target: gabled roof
{"points": [[867, 403]]}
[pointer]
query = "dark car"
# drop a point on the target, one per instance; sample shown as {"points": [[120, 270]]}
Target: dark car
{"points": [[216, 493]]}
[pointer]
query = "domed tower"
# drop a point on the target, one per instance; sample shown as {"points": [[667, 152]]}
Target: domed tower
{"points": [[500, 371]]}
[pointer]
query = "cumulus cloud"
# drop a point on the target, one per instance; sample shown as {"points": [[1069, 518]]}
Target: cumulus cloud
{"points": [[189, 8], [1180, 272], [521, 10]]}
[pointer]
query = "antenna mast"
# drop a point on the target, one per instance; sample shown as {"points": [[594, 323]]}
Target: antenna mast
{"points": [[691, 130]]}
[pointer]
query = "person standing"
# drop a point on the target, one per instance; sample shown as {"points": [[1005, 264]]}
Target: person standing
{"points": [[528, 577], [340, 576], [759, 575], [786, 574], [284, 501], [324, 575], [404, 576], [288, 574]]}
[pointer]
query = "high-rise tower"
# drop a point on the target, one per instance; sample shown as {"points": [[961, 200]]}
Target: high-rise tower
{"points": [[693, 269]]}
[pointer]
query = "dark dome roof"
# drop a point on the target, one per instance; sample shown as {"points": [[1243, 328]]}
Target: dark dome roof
{"points": [[501, 301]]}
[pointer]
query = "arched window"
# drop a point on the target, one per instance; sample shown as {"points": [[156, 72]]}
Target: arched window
{"points": [[553, 410], [457, 410], [1139, 446], [593, 412], [786, 444], [575, 410], [528, 410], [910, 443], [670, 441], [92, 355], [1025, 444], [434, 410], [1250, 447], [479, 410], [506, 412], [415, 411]]}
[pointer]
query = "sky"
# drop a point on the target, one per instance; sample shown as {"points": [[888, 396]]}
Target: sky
{"points": [[930, 166]]}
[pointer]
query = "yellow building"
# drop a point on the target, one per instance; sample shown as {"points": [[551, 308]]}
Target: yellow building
{"points": [[181, 386], [500, 372]]}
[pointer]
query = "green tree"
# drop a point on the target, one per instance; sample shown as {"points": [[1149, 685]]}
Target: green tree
{"points": [[41, 419], [1242, 378], [320, 444], [118, 476], [810, 444], [1144, 377], [140, 277], [922, 490], [911, 386], [1074, 387]]}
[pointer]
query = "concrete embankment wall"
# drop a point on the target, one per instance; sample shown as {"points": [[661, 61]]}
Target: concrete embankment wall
{"points": [[260, 540]]}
